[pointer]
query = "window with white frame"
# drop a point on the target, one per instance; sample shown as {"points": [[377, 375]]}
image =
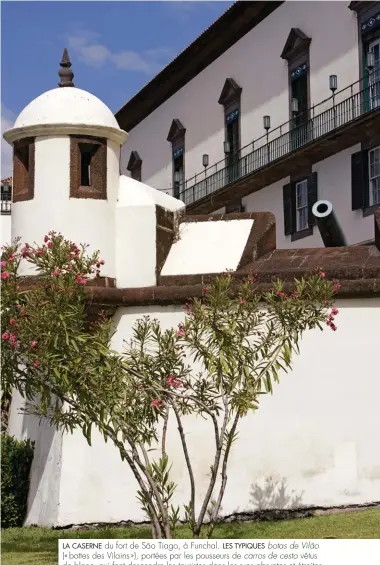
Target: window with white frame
{"points": [[374, 77], [374, 175], [301, 205], [299, 197]]}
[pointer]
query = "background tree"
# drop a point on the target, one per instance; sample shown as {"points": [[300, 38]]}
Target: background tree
{"points": [[62, 364]]}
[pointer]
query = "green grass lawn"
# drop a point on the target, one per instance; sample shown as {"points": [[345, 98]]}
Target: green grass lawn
{"points": [[39, 546]]}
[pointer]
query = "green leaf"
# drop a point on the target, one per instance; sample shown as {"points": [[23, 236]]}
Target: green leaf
{"points": [[74, 345], [223, 362], [87, 433]]}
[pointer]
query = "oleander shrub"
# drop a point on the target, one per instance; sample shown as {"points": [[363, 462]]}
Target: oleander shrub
{"points": [[16, 461], [232, 346]]}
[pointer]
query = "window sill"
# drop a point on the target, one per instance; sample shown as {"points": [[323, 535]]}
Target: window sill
{"points": [[301, 234], [90, 192], [370, 210]]}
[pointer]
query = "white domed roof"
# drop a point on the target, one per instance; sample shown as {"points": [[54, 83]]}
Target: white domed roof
{"points": [[66, 106]]}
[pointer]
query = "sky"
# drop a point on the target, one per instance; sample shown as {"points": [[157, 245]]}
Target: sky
{"points": [[115, 48]]}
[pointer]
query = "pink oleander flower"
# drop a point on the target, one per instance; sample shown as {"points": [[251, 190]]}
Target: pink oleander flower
{"points": [[335, 311], [36, 364], [187, 309], [336, 287], [294, 294], [50, 244], [5, 336], [205, 290], [330, 321], [280, 294], [101, 261], [12, 322], [46, 238], [13, 339], [156, 403], [3, 263], [241, 302], [56, 273], [181, 330], [5, 275], [322, 275], [26, 251], [80, 279], [173, 382], [33, 344]]}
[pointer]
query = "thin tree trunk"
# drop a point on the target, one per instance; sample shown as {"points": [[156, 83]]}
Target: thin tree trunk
{"points": [[214, 475], [188, 462], [223, 485], [164, 433], [156, 494], [153, 514]]}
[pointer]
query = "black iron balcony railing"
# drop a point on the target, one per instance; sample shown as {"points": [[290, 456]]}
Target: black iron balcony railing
{"points": [[323, 118]]}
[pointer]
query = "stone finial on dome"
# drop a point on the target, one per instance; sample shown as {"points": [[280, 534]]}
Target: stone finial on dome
{"points": [[65, 73]]}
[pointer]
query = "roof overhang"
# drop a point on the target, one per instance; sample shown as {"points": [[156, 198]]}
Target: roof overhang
{"points": [[236, 22], [41, 130]]}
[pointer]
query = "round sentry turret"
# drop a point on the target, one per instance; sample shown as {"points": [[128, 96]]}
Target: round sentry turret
{"points": [[66, 146]]}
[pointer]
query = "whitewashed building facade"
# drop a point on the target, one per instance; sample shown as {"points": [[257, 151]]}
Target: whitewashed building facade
{"points": [[277, 104], [317, 437]]}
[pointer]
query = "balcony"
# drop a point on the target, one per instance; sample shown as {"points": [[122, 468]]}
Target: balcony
{"points": [[5, 205], [338, 122], [6, 195]]}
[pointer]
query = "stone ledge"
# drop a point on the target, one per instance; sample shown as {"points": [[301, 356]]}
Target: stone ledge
{"points": [[249, 516], [180, 294]]}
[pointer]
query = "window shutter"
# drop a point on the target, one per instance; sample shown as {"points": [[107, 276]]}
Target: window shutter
{"points": [[23, 170], [289, 215], [359, 180], [136, 173], [312, 196], [99, 170], [365, 179]]}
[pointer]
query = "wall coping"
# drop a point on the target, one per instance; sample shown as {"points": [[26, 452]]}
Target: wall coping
{"points": [[356, 268]]}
